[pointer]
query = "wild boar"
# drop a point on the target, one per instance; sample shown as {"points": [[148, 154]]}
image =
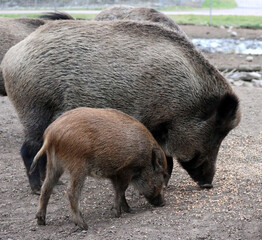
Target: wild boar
{"points": [[137, 14], [101, 143], [143, 69], [14, 30]]}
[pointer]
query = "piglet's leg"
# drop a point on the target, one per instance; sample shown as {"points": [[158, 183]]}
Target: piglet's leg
{"points": [[52, 176], [74, 192], [120, 184]]}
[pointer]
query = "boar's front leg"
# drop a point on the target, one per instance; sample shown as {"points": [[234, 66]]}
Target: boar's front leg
{"points": [[120, 184], [28, 151], [170, 165]]}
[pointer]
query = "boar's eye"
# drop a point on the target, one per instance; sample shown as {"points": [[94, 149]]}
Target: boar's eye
{"points": [[192, 162], [166, 176]]}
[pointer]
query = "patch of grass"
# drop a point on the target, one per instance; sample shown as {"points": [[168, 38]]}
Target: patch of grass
{"points": [[236, 21], [177, 8], [216, 4], [222, 4], [19, 15]]}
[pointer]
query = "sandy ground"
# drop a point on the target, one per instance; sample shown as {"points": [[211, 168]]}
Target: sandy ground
{"points": [[231, 210]]}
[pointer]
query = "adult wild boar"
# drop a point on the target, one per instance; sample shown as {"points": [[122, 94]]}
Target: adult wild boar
{"points": [[143, 69], [137, 14], [14, 30], [101, 143]]}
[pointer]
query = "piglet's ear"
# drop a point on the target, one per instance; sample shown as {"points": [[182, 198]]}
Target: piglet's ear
{"points": [[157, 159], [227, 111]]}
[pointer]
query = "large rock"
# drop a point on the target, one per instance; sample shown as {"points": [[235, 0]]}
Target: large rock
{"points": [[249, 68], [250, 76]]}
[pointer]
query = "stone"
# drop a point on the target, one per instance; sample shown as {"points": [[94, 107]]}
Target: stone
{"points": [[246, 77], [237, 75], [238, 83], [249, 68], [233, 34], [254, 75], [249, 58], [257, 83]]}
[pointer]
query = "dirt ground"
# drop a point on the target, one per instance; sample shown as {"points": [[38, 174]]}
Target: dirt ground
{"points": [[231, 210]]}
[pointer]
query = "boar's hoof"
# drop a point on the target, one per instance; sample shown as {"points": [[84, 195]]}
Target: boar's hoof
{"points": [[40, 219], [128, 209], [36, 192], [206, 186], [36, 189], [116, 212]]}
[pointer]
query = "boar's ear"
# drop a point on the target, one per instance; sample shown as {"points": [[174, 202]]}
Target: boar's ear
{"points": [[157, 158], [226, 111]]}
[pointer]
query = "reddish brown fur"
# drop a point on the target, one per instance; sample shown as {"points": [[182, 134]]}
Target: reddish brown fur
{"points": [[103, 143]]}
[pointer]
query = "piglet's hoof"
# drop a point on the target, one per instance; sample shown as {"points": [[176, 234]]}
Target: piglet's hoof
{"points": [[82, 225]]}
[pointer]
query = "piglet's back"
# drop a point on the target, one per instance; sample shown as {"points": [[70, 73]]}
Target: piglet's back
{"points": [[105, 138]]}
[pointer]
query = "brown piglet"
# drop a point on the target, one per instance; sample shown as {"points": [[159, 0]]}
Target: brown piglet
{"points": [[101, 143]]}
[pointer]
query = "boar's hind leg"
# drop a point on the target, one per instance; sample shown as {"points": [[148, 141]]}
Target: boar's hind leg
{"points": [[74, 192], [28, 151], [52, 177], [120, 184]]}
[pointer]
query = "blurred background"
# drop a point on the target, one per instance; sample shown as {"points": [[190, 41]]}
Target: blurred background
{"points": [[228, 32], [238, 13]]}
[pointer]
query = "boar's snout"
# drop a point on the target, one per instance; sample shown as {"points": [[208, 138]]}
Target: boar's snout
{"points": [[206, 185], [157, 201], [202, 172]]}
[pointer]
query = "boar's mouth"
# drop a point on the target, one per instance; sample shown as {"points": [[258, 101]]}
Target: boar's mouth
{"points": [[196, 169]]}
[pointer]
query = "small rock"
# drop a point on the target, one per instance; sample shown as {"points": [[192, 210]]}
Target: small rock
{"points": [[237, 75], [246, 77], [255, 75], [238, 83], [233, 34], [242, 39], [250, 76], [230, 29], [249, 68], [257, 83], [249, 58], [222, 27], [220, 50]]}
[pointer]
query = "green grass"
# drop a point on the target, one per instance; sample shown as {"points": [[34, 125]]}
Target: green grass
{"points": [[177, 8], [222, 4], [216, 4], [236, 21]]}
